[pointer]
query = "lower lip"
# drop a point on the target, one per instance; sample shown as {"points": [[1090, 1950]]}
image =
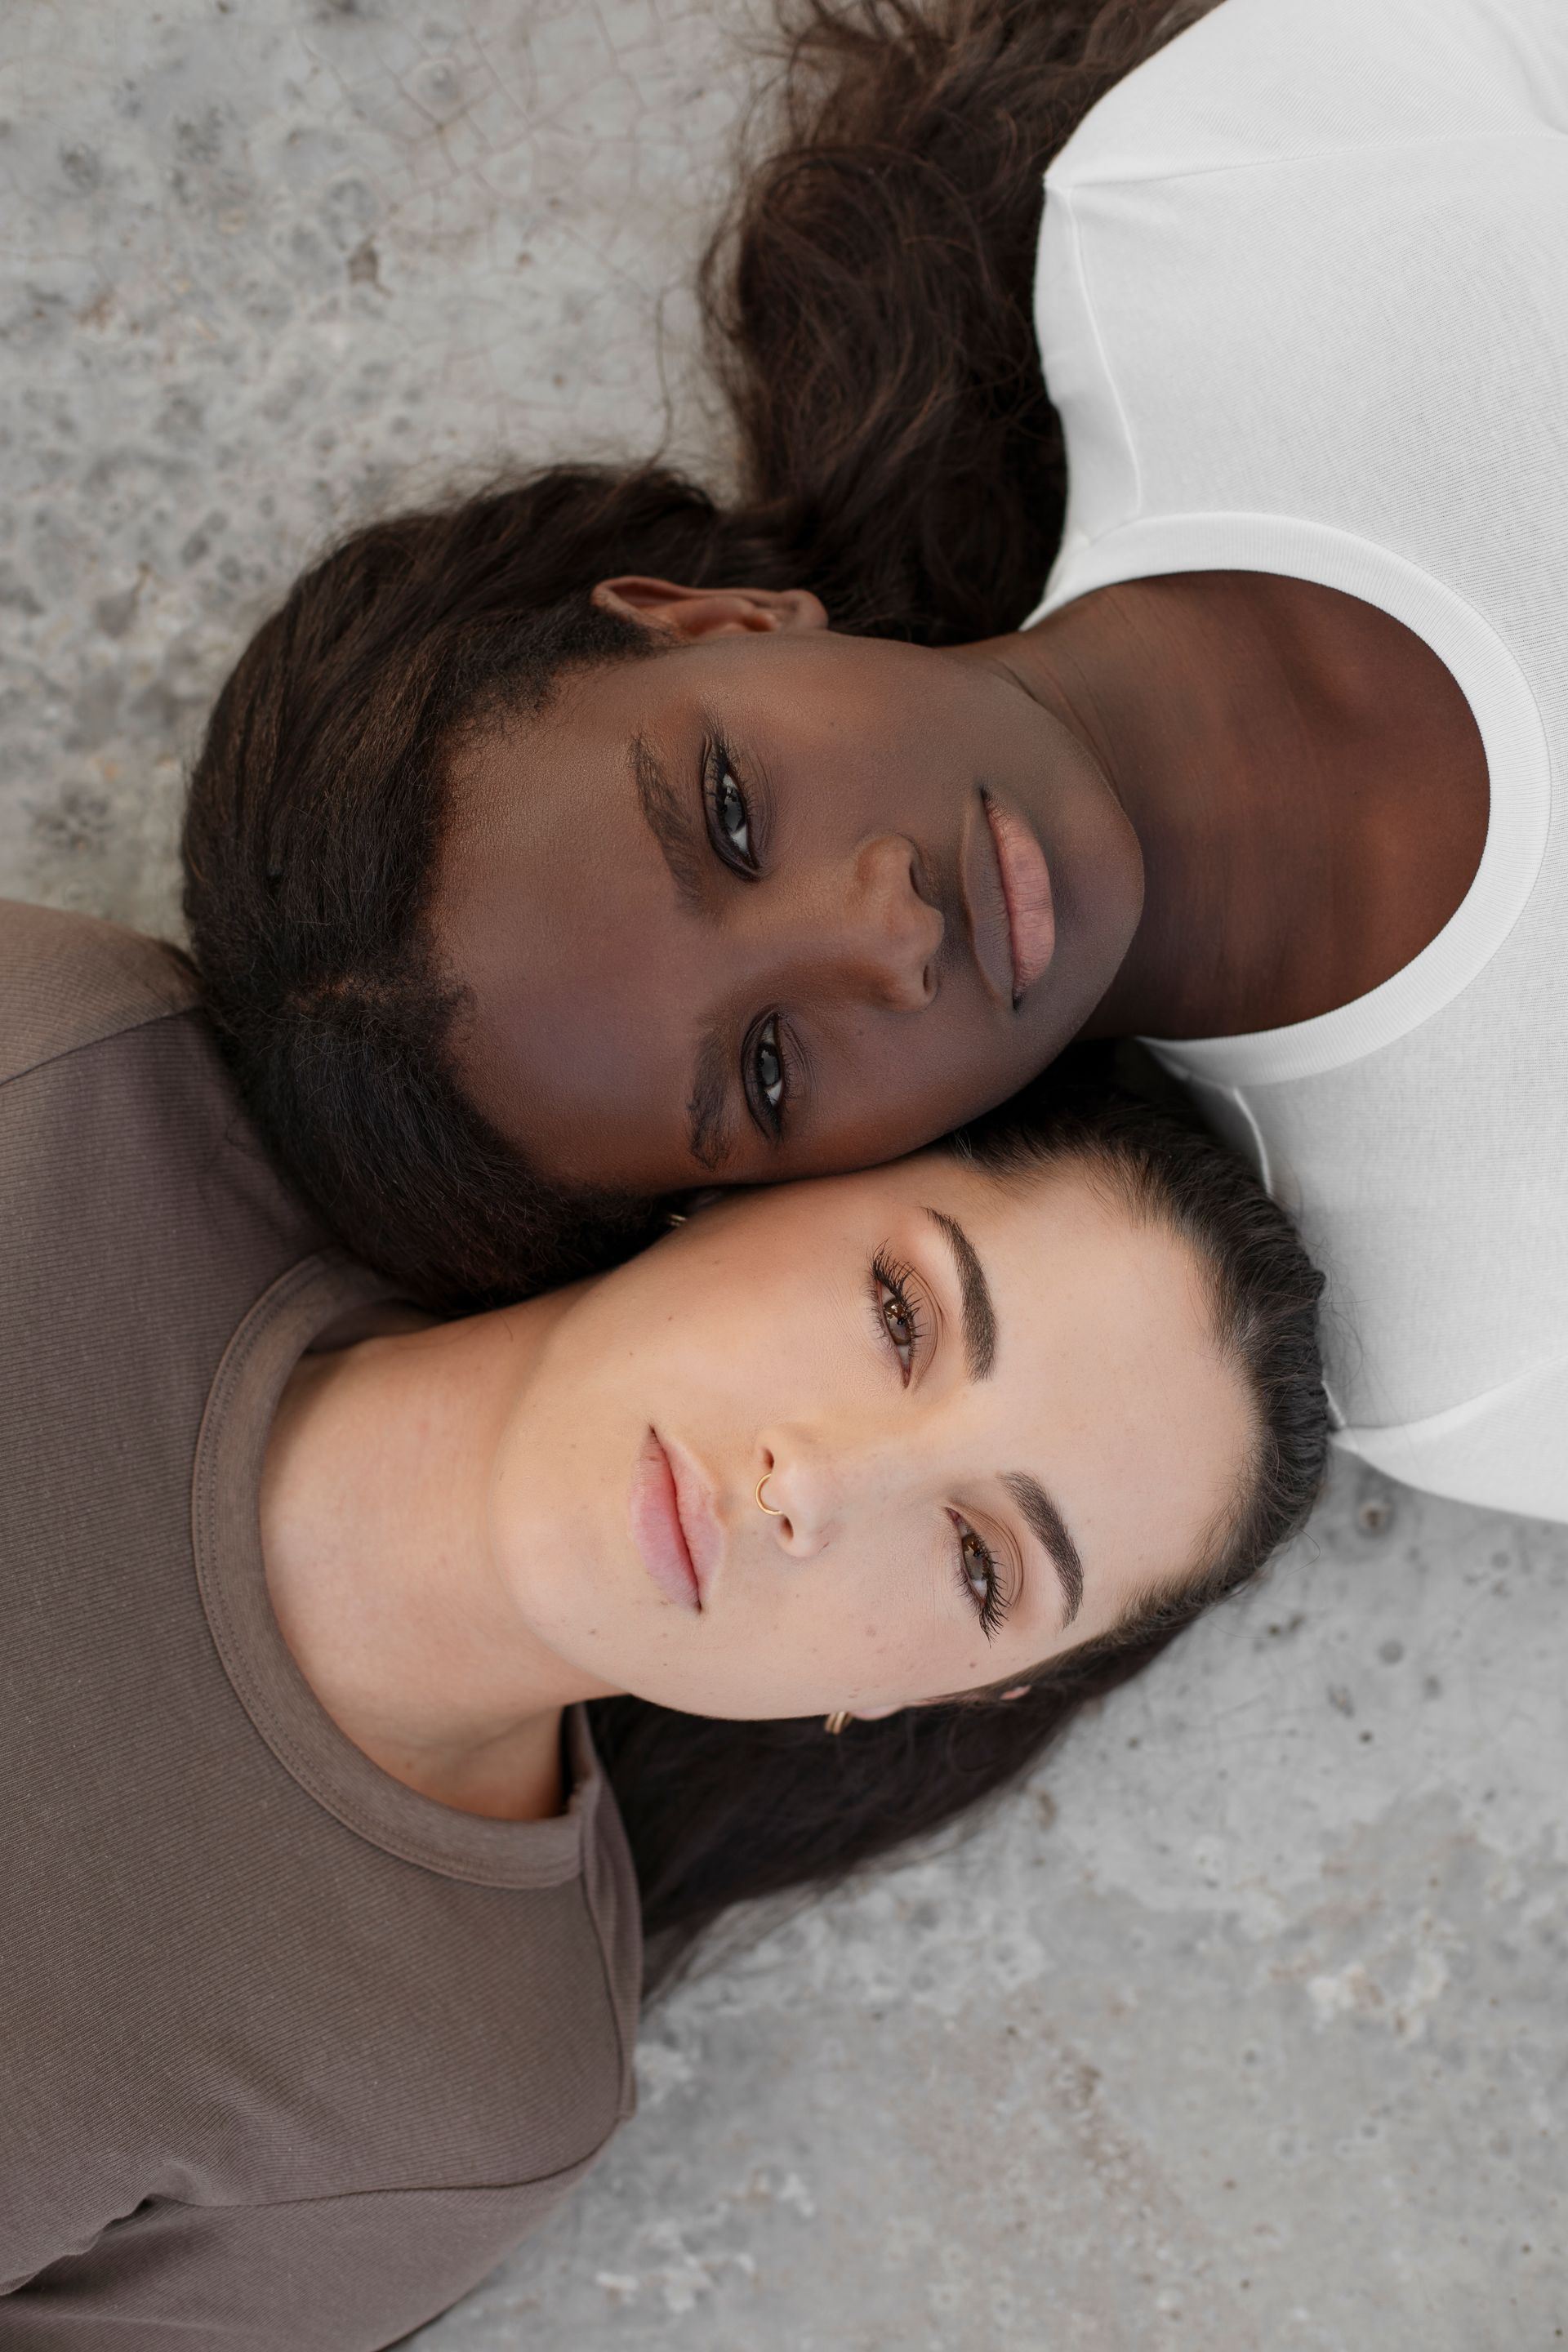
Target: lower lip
{"points": [[655, 1526], [1026, 887]]}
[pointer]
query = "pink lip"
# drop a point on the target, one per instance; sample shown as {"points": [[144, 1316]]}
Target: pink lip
{"points": [[1026, 887], [672, 1521]]}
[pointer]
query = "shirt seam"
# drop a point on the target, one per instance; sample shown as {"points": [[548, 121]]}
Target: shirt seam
{"points": [[625, 2074], [1214, 1059], [90, 1045], [1412, 1425], [1081, 269], [277, 1737], [411, 2189], [1173, 178]]}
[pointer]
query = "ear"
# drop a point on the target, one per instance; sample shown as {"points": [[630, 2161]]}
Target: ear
{"points": [[690, 615], [691, 1204]]}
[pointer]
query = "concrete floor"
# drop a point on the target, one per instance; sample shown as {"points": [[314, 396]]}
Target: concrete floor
{"points": [[1244, 2026]]}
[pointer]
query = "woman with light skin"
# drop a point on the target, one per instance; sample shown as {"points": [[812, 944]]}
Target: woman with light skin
{"points": [[372, 1683], [852, 1447], [1141, 615]]}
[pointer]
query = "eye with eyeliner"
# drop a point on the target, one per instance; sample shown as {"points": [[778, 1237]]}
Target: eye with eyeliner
{"points": [[735, 817], [895, 1297], [769, 1074], [733, 813], [979, 1576], [902, 1316]]}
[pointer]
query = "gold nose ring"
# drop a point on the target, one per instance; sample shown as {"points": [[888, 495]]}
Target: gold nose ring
{"points": [[772, 1512]]}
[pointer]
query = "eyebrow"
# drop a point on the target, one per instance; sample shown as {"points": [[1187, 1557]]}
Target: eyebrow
{"points": [[669, 821], [979, 1310], [1052, 1529], [708, 1105], [980, 1354]]}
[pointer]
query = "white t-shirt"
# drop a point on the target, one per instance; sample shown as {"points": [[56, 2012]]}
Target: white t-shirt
{"points": [[1303, 301]]}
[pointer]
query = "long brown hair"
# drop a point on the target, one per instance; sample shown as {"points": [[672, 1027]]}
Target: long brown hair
{"points": [[869, 302], [720, 1812]]}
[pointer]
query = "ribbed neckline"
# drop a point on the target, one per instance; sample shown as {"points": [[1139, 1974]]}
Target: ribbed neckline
{"points": [[226, 1529], [1519, 768]]}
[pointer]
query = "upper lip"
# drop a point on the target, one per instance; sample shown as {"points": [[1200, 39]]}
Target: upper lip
{"points": [[985, 904], [694, 1509]]}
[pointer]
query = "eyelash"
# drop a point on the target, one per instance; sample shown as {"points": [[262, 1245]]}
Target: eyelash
{"points": [[718, 769], [890, 1286], [991, 1607], [888, 1274]]}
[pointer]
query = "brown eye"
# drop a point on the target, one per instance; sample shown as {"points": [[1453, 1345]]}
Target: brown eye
{"points": [[900, 1326], [897, 1311], [979, 1578]]}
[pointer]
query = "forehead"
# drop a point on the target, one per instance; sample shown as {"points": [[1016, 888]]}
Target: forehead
{"points": [[1109, 1380], [551, 907], [1107, 1385]]}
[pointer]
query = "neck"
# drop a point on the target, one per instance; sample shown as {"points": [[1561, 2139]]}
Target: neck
{"points": [[1304, 778], [375, 1533]]}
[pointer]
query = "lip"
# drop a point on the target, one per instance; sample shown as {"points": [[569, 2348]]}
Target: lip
{"points": [[673, 1525], [1007, 886]]}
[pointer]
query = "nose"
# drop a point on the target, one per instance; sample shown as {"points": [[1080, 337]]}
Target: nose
{"points": [[877, 935], [818, 1486], [795, 1492]]}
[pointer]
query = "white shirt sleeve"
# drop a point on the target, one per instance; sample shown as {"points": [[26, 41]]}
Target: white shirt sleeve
{"points": [[1506, 1450]]}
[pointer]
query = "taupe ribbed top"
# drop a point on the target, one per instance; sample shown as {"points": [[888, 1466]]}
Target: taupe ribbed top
{"points": [[289, 2056]]}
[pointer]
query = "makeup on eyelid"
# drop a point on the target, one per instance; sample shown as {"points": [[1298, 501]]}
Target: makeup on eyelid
{"points": [[940, 1385], [899, 857]]}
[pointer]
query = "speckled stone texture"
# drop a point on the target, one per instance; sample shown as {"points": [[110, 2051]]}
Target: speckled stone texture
{"points": [[1243, 2028]]}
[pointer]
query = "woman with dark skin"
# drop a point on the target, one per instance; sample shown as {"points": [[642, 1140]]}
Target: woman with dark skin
{"points": [[1208, 805], [555, 854]]}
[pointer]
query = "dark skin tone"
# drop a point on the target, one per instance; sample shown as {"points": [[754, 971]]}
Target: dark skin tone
{"points": [[737, 912]]}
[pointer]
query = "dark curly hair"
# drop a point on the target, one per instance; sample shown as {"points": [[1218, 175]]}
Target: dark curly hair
{"points": [[868, 302]]}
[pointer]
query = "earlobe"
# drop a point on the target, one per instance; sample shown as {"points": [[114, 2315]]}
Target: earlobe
{"points": [[691, 1204]]}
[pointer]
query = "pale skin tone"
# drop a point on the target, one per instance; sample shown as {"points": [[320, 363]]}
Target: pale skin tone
{"points": [[745, 874], [910, 1358]]}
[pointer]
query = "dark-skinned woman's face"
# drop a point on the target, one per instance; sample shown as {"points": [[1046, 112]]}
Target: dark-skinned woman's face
{"points": [[774, 902]]}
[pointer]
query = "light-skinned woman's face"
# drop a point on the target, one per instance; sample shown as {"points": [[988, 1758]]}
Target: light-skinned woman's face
{"points": [[774, 902], [987, 1418]]}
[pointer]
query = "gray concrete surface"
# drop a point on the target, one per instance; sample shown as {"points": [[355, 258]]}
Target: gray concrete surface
{"points": [[1244, 2026]]}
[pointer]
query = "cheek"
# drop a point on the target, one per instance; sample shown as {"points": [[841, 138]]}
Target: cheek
{"points": [[884, 1093]]}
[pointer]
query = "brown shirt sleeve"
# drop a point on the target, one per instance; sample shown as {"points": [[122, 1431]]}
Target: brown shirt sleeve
{"points": [[339, 2274], [68, 980], [289, 2056]]}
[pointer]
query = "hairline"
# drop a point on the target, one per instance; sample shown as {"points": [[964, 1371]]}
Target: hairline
{"points": [[1025, 1158]]}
